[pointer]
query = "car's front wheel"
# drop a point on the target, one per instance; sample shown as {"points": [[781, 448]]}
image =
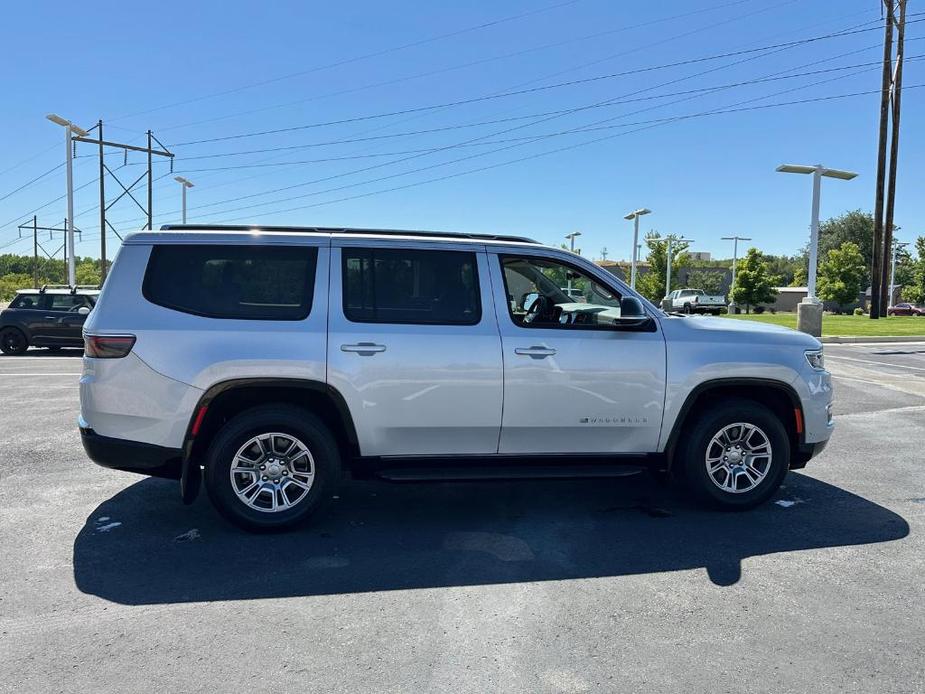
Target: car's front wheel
{"points": [[272, 467], [13, 341], [735, 455]]}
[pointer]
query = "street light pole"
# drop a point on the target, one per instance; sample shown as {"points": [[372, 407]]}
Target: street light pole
{"points": [[735, 261], [184, 184], [635, 217], [69, 128], [571, 238], [896, 246], [671, 240], [809, 311]]}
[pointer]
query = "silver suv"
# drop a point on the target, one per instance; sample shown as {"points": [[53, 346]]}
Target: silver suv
{"points": [[266, 361]]}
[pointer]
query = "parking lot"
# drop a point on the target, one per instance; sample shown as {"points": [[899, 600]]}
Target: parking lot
{"points": [[110, 584]]}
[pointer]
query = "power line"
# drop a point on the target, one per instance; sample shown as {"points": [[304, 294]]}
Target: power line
{"points": [[519, 92], [473, 63], [34, 180], [355, 59], [560, 149], [518, 127]]}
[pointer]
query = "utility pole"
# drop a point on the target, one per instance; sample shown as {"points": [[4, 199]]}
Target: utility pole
{"points": [[35, 251], [571, 238], [735, 261], [99, 131], [150, 195], [877, 250], [896, 93]]}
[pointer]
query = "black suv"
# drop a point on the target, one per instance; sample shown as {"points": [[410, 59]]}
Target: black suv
{"points": [[48, 317]]}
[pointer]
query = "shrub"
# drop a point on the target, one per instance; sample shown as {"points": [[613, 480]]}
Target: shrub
{"points": [[859, 311], [759, 309]]}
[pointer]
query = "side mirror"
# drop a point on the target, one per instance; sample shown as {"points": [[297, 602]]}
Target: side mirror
{"points": [[632, 315], [83, 310]]}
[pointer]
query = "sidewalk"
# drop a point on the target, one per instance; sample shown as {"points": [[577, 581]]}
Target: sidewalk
{"points": [[870, 339]]}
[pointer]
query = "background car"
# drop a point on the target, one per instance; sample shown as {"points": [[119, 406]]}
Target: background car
{"points": [[50, 317], [905, 309]]}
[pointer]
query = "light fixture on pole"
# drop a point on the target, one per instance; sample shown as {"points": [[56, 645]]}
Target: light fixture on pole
{"points": [[184, 184], [818, 171], [896, 246], [735, 261], [635, 217], [809, 311], [69, 130]]}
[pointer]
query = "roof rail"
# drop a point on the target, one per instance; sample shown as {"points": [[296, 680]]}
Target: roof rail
{"points": [[345, 230]]}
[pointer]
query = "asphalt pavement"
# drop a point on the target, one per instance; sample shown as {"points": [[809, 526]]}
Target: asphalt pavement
{"points": [[111, 584]]}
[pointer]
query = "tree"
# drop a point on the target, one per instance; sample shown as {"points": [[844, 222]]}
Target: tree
{"points": [[604, 253], [856, 227], [754, 283], [709, 282], [842, 274], [12, 281], [915, 290], [652, 284], [87, 272]]}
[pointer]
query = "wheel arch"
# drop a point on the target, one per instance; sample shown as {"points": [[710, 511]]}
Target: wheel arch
{"points": [[224, 400], [778, 396]]}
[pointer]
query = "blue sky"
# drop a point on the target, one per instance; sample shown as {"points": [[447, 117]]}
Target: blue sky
{"points": [[196, 71]]}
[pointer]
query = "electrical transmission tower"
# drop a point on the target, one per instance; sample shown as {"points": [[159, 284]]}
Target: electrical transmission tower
{"points": [[36, 244], [147, 209]]}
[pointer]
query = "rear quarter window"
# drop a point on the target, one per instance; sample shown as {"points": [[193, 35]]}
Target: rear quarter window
{"points": [[233, 282], [27, 301]]}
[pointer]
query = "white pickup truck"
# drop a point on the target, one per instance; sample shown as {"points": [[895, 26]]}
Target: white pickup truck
{"points": [[696, 301]]}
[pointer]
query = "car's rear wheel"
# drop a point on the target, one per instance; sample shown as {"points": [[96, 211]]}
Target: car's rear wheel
{"points": [[736, 454], [272, 467], [13, 341]]}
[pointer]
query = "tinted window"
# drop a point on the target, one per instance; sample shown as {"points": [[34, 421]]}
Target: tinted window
{"points": [[27, 301], [410, 286], [246, 282]]}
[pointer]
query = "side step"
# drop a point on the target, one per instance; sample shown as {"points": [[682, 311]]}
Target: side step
{"points": [[458, 473]]}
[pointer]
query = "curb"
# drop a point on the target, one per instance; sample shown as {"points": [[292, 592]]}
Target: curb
{"points": [[886, 339]]}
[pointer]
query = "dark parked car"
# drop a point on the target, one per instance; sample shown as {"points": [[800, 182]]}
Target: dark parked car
{"points": [[50, 317], [905, 309]]}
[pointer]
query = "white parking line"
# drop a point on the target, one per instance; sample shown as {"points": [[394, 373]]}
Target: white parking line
{"points": [[46, 373], [875, 363]]}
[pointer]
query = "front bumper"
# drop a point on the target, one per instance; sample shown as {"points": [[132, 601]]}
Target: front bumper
{"points": [[132, 456], [805, 452]]}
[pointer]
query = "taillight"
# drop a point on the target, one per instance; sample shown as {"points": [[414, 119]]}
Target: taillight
{"points": [[108, 346]]}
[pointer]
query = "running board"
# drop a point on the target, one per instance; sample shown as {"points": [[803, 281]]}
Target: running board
{"points": [[439, 473]]}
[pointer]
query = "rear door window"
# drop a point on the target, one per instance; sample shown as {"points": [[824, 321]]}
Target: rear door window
{"points": [[387, 285], [242, 282], [68, 302]]}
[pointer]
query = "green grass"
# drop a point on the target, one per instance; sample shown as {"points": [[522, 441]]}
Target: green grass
{"points": [[848, 326]]}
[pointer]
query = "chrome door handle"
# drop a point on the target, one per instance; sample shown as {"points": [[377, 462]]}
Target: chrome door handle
{"points": [[535, 352], [364, 349]]}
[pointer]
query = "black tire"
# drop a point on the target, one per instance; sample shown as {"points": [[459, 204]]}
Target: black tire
{"points": [[693, 449], [13, 341], [687, 308], [285, 419]]}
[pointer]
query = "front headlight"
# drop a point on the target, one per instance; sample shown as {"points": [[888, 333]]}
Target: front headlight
{"points": [[815, 359]]}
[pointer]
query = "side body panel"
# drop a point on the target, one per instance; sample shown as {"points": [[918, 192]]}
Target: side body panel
{"points": [[431, 389], [600, 391]]}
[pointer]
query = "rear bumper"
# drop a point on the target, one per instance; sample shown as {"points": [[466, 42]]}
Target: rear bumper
{"points": [[132, 456]]}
